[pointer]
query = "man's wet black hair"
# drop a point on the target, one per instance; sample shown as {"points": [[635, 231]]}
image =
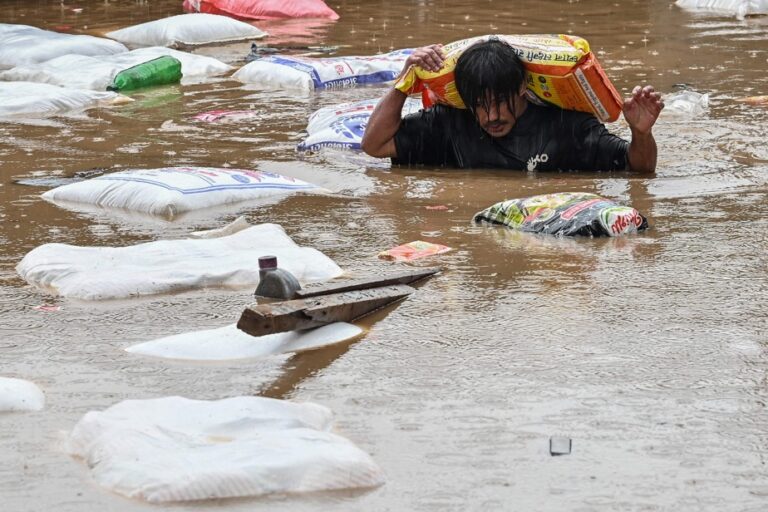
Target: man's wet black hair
{"points": [[486, 70]]}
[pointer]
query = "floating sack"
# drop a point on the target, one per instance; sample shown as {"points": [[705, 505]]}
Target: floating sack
{"points": [[686, 102], [263, 9], [413, 251], [567, 214], [187, 30], [165, 266], [20, 395], [305, 73], [560, 70], [83, 72], [176, 449], [342, 126], [159, 71], [27, 99], [230, 342], [738, 8], [169, 191], [24, 45]]}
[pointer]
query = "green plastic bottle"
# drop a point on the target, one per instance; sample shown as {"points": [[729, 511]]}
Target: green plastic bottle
{"points": [[160, 71]]}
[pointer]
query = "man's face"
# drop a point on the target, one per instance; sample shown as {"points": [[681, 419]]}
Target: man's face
{"points": [[497, 119]]}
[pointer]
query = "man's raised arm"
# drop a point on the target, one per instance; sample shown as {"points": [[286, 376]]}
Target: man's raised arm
{"points": [[641, 111]]}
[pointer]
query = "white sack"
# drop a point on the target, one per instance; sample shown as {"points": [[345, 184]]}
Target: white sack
{"points": [[229, 342], [176, 449], [738, 8], [24, 45], [169, 191], [342, 126], [305, 73], [82, 72], [187, 29], [27, 99], [686, 102], [20, 395], [164, 266]]}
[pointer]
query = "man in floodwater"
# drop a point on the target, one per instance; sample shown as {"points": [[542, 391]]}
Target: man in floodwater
{"points": [[501, 128]]}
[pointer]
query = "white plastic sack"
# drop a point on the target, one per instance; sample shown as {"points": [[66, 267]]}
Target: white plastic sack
{"points": [[342, 126], [164, 266], [20, 395], [187, 29], [24, 45], [176, 449], [82, 72], [229, 342], [686, 102], [28, 99], [738, 8], [305, 73], [169, 191]]}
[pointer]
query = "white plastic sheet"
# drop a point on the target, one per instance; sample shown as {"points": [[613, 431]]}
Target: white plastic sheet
{"points": [[20, 395], [229, 342], [28, 99], [24, 45], [176, 449], [738, 8], [686, 102], [83, 72], [187, 29], [164, 266], [169, 191]]}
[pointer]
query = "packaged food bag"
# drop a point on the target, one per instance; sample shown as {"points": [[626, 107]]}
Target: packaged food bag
{"points": [[565, 214], [263, 9], [560, 70], [413, 251]]}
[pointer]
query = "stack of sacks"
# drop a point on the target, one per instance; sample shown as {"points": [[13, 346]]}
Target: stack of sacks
{"points": [[263, 9], [738, 8], [29, 99], [20, 395]]}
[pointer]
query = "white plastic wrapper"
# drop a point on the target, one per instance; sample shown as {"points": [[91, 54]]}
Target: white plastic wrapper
{"points": [[20, 395], [229, 342], [738, 8], [169, 191], [29, 99], [176, 449], [82, 72], [305, 73], [342, 126], [690, 103], [187, 29], [24, 45], [165, 266]]}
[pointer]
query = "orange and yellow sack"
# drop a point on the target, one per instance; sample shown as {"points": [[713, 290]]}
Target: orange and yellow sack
{"points": [[560, 70]]}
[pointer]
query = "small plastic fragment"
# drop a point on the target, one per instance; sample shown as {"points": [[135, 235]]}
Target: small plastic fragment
{"points": [[436, 207], [413, 251]]}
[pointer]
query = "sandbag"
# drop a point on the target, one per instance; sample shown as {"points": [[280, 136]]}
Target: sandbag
{"points": [[20, 395], [22, 45], [342, 126], [82, 72], [176, 449], [187, 30], [565, 214], [165, 266], [28, 99], [170, 191], [263, 9], [560, 70], [306, 73], [738, 8]]}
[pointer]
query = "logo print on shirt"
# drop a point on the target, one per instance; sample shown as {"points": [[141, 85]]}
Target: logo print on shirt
{"points": [[534, 161]]}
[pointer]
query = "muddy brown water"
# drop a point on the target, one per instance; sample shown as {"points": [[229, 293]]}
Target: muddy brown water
{"points": [[648, 351]]}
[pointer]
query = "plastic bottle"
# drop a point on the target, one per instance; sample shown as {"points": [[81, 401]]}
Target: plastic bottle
{"points": [[160, 71], [275, 283]]}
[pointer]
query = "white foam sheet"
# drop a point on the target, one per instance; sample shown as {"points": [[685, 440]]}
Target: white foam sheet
{"points": [[96, 73], [29, 99], [166, 266], [20, 395], [229, 342], [187, 29], [737, 8], [24, 45], [176, 449]]}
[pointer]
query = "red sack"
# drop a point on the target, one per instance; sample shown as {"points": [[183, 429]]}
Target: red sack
{"points": [[263, 9]]}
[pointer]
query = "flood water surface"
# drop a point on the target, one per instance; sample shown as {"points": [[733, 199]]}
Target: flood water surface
{"points": [[648, 351]]}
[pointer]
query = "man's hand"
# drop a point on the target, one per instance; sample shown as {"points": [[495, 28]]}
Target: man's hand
{"points": [[429, 57], [642, 109]]}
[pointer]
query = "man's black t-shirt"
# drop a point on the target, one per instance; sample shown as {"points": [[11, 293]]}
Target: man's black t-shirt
{"points": [[543, 138]]}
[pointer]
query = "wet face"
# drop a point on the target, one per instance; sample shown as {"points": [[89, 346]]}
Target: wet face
{"points": [[496, 117]]}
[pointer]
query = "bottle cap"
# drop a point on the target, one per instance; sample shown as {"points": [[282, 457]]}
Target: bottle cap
{"points": [[267, 262]]}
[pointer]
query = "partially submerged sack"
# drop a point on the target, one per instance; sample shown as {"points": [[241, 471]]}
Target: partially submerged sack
{"points": [[560, 69], [567, 214], [187, 30], [24, 45], [165, 266], [159, 71], [20, 395], [176, 449], [28, 99], [738, 8], [263, 9], [305, 73], [169, 191]]}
